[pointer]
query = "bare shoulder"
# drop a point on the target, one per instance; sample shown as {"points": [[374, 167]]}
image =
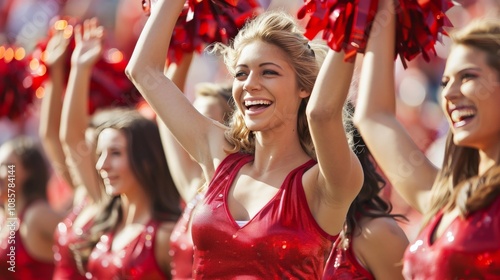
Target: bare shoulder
{"points": [[42, 217], [381, 228], [40, 212], [380, 245]]}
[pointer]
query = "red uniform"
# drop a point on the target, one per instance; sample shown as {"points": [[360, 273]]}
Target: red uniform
{"points": [[13, 256], [65, 235], [181, 243], [282, 241], [136, 261], [469, 249], [343, 265]]}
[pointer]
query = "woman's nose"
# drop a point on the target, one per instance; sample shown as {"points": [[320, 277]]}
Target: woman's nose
{"points": [[101, 163], [251, 83], [451, 90]]}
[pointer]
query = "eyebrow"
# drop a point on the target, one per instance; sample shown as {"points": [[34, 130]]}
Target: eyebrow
{"points": [[261, 65], [464, 70]]}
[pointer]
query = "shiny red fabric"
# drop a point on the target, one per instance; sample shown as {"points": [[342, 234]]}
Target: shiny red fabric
{"points": [[136, 261], [65, 235], [203, 22], [282, 241], [469, 249], [181, 243], [346, 24], [343, 264], [26, 267]]}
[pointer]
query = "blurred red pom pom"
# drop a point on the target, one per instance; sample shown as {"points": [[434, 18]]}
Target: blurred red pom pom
{"points": [[346, 24], [16, 85], [203, 22], [109, 86]]}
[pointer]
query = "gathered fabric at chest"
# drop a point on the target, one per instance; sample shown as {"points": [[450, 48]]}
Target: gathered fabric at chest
{"points": [[282, 240]]}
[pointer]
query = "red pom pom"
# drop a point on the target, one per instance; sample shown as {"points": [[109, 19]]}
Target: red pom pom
{"points": [[203, 22], [418, 26], [346, 24], [16, 85], [109, 86]]}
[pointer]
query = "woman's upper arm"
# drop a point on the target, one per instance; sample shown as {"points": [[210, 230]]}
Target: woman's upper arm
{"points": [[381, 246]]}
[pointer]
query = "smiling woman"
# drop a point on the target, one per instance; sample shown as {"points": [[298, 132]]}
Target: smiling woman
{"points": [[282, 175], [460, 238]]}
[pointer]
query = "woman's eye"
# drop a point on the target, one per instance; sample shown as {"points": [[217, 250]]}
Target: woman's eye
{"points": [[444, 83], [239, 74], [467, 76], [269, 72]]}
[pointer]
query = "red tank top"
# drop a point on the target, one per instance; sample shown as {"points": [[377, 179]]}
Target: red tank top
{"points": [[181, 243], [469, 249], [343, 264], [64, 236], [136, 261], [13, 256], [282, 241]]}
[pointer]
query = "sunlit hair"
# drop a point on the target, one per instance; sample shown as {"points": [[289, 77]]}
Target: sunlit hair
{"points": [[457, 180], [280, 29], [368, 202], [34, 163], [220, 91], [148, 164]]}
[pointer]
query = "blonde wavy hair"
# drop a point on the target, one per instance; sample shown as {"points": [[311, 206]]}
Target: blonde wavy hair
{"points": [[280, 29]]}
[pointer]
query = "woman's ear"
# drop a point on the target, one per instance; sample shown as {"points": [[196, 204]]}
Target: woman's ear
{"points": [[303, 93]]}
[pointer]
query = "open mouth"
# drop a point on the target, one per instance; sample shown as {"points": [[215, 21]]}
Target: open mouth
{"points": [[254, 105], [461, 116]]}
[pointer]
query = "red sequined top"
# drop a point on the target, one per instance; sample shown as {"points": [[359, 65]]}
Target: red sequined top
{"points": [[468, 249], [136, 261], [343, 264], [181, 243], [282, 241], [65, 235], [15, 261]]}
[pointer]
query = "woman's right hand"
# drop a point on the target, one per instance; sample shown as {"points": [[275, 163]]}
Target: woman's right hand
{"points": [[88, 43], [57, 46]]}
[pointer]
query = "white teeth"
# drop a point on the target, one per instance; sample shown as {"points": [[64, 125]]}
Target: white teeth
{"points": [[459, 115], [257, 102]]}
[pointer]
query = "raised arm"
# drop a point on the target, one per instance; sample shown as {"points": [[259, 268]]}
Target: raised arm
{"points": [[406, 167], [340, 175], [75, 118], [50, 113], [202, 138], [186, 173]]}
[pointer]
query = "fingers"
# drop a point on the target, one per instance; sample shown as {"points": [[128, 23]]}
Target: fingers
{"points": [[78, 34], [89, 30]]}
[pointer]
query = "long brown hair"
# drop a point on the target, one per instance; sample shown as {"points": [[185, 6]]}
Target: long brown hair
{"points": [[368, 202], [458, 184], [149, 166], [34, 163]]}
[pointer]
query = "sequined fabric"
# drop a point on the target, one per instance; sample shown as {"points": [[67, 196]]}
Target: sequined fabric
{"points": [[64, 236], [181, 243], [25, 266], [468, 249], [282, 241], [343, 265], [134, 262]]}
